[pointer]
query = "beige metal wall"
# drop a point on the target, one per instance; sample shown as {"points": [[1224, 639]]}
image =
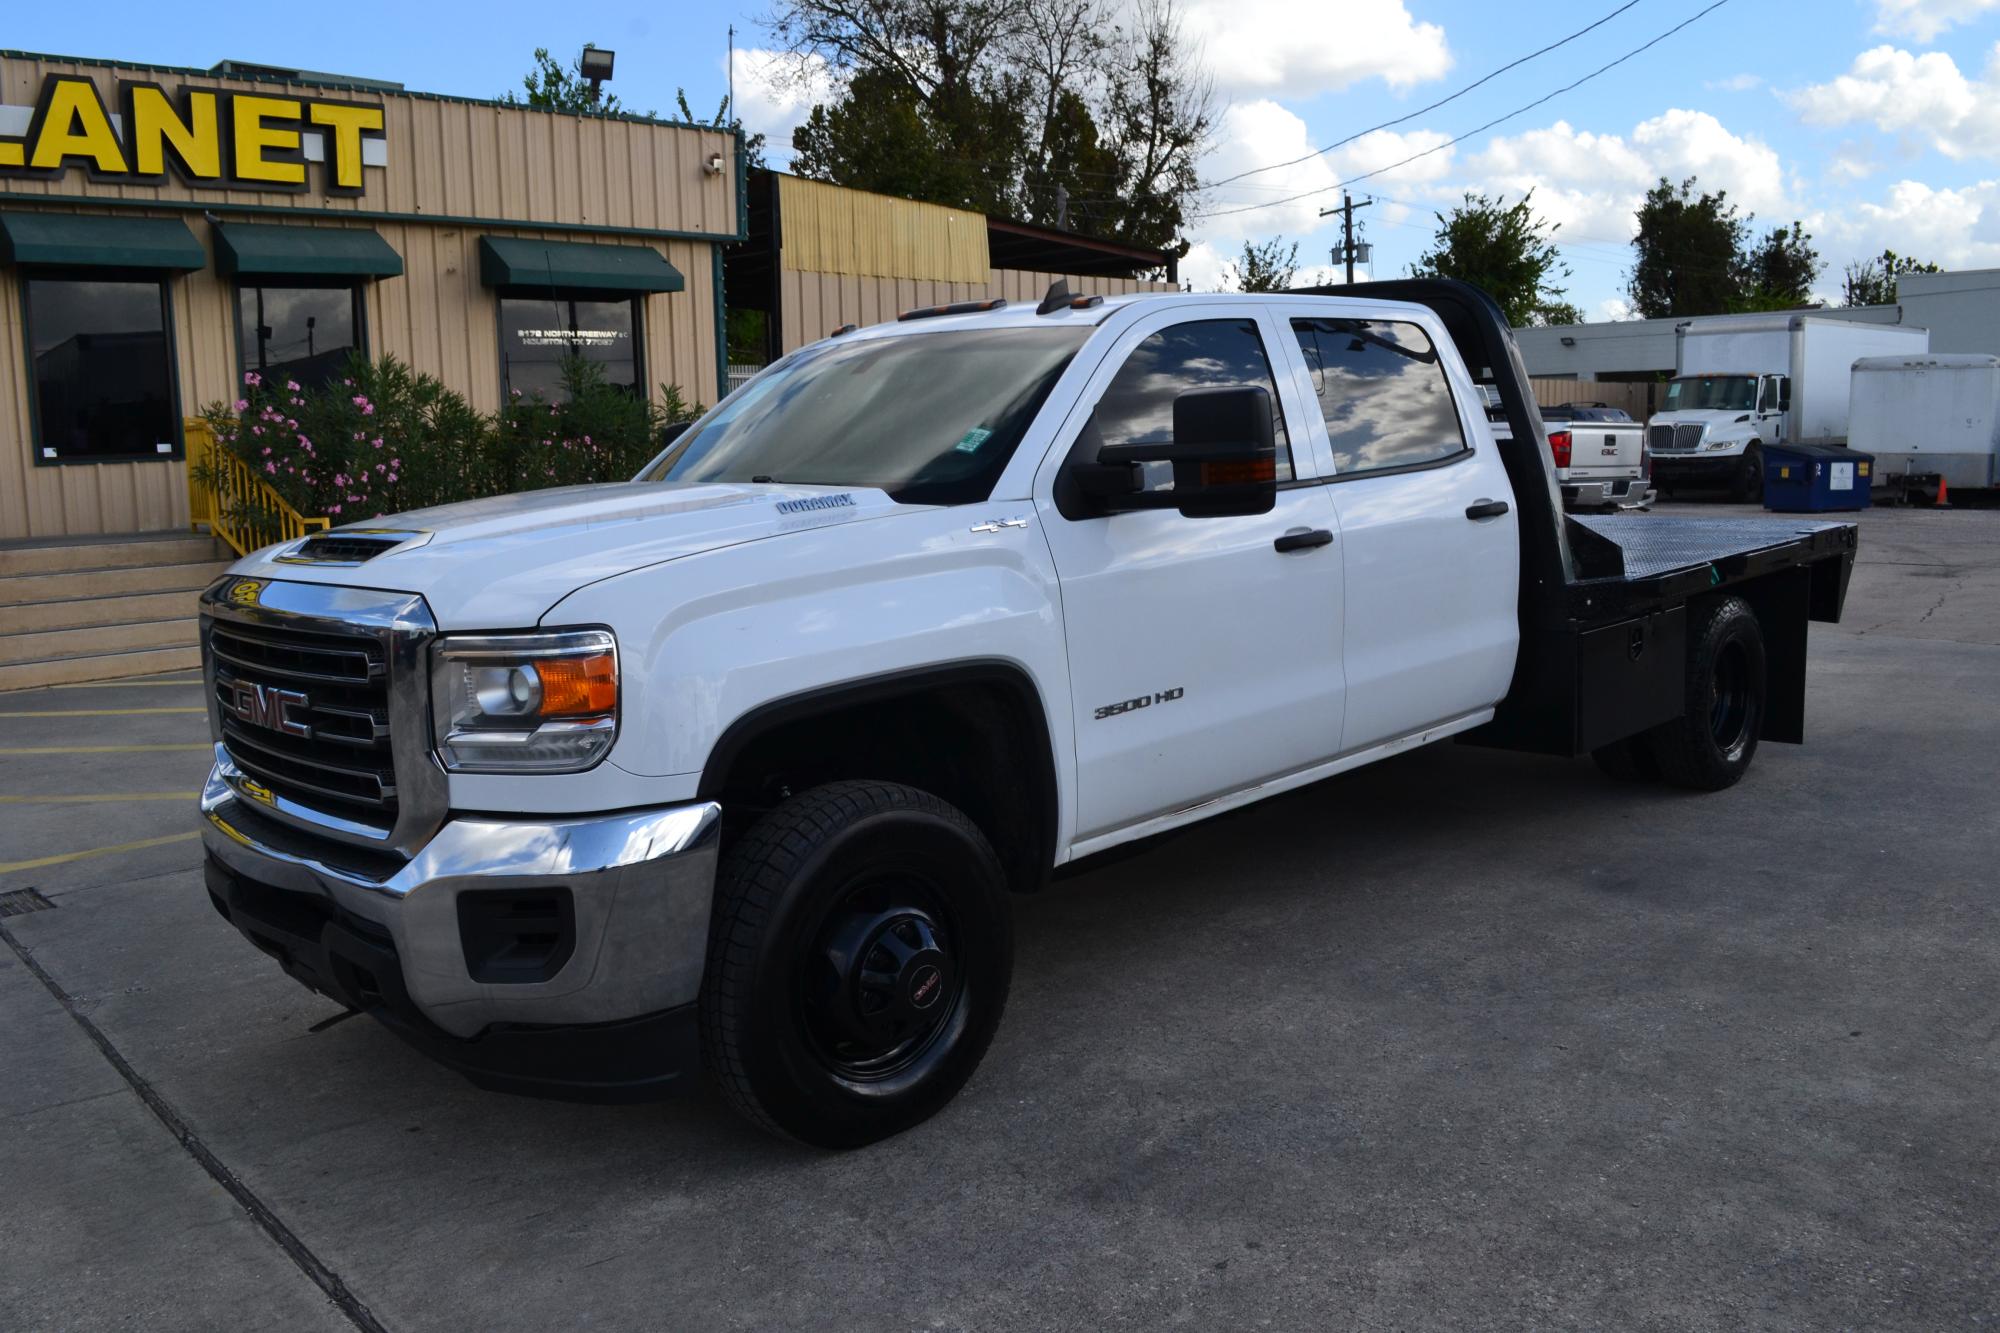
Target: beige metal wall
{"points": [[437, 317], [479, 170], [812, 305], [832, 229]]}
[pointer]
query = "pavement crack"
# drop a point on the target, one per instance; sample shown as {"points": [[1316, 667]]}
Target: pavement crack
{"points": [[274, 1226]]}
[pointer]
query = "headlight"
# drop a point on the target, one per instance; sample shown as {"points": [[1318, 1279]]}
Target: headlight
{"points": [[1723, 444], [524, 703]]}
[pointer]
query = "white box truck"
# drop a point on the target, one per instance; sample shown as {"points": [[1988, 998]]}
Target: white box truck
{"points": [[1743, 381], [1928, 419]]}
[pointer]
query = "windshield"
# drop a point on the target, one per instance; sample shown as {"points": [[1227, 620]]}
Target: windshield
{"points": [[931, 418], [1713, 393]]}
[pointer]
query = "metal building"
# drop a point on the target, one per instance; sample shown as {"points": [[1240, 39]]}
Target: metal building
{"points": [[164, 230]]}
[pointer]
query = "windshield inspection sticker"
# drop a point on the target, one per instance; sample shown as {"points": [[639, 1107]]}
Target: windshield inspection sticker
{"points": [[969, 443], [841, 501]]}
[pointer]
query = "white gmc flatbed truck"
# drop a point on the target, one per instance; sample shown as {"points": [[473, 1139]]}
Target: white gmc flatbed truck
{"points": [[737, 764]]}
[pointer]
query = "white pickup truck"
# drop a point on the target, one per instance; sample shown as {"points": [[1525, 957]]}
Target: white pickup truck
{"points": [[1600, 454], [738, 763]]}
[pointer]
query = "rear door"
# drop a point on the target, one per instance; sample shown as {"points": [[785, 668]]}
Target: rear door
{"points": [[1204, 652], [1430, 542]]}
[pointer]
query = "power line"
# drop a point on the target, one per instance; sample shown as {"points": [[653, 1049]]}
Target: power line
{"points": [[1422, 111], [1498, 120]]}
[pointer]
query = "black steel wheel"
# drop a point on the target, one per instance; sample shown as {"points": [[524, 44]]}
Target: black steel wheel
{"points": [[1710, 746], [859, 959]]}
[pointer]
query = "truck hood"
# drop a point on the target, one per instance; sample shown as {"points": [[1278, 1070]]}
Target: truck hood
{"points": [[502, 562], [1705, 416]]}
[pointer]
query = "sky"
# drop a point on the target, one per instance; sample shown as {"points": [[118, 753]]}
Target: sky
{"points": [[1874, 122]]}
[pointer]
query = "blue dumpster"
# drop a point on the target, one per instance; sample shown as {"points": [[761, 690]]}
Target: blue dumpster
{"points": [[1816, 478]]}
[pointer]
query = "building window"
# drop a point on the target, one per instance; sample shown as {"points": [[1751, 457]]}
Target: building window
{"points": [[1383, 393], [103, 369], [537, 333], [304, 334]]}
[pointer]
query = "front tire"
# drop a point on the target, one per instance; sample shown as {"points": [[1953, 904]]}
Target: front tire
{"points": [[1710, 746], [1749, 488], [858, 963]]}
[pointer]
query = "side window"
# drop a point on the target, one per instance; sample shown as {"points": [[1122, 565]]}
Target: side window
{"points": [[1382, 391], [1138, 405]]}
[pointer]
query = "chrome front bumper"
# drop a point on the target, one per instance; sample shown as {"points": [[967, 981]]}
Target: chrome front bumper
{"points": [[641, 883]]}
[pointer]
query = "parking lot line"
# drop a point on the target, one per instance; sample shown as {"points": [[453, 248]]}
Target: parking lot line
{"points": [[108, 796], [98, 749], [66, 857], [95, 712], [188, 683]]}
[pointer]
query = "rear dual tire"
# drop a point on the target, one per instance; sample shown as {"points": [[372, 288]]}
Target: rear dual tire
{"points": [[1709, 747]]}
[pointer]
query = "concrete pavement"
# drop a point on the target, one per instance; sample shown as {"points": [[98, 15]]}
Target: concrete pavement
{"points": [[1464, 1039]]}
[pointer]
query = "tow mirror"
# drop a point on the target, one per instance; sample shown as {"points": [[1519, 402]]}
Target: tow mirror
{"points": [[1224, 455], [1225, 452]]}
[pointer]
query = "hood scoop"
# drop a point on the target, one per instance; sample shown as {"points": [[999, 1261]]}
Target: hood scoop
{"points": [[350, 546]]}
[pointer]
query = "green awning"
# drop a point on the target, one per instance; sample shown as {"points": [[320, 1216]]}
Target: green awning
{"points": [[263, 250], [91, 240], [506, 261]]}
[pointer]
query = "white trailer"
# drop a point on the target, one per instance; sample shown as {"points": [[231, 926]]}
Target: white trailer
{"points": [[1928, 419], [1816, 352]]}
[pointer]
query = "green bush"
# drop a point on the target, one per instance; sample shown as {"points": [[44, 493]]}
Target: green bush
{"points": [[384, 438]]}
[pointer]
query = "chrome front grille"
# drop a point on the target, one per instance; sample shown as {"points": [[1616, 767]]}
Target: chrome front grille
{"points": [[319, 697], [1674, 438], [336, 746]]}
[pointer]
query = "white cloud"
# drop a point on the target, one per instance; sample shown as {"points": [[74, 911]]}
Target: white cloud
{"points": [[1851, 162], [1924, 97], [1253, 46], [774, 94], [1923, 20], [1592, 184], [1739, 83], [1616, 308], [1958, 228], [1262, 133]]}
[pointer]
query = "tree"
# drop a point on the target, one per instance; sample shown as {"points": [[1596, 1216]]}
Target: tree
{"points": [[1505, 250], [1046, 110], [1688, 247], [552, 87], [1779, 271], [1269, 267], [753, 144], [1873, 281]]}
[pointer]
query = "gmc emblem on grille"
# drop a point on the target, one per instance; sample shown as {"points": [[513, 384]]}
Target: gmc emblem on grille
{"points": [[269, 706]]}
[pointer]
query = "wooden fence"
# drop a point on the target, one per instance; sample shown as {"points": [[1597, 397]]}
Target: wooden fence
{"points": [[1639, 400]]}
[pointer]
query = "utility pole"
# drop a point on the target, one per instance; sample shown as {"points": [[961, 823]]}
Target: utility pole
{"points": [[1349, 251]]}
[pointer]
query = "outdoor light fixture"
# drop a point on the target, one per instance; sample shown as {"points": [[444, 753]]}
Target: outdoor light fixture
{"points": [[595, 65], [714, 164], [1568, 341]]}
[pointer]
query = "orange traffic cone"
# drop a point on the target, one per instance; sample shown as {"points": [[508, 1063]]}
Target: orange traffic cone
{"points": [[1943, 500]]}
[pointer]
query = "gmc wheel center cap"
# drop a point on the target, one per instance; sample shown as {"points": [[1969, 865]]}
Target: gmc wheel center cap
{"points": [[926, 985]]}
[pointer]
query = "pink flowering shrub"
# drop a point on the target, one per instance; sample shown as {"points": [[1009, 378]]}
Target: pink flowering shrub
{"points": [[383, 439]]}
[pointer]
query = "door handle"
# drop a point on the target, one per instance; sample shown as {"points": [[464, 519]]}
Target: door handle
{"points": [[1486, 509], [1304, 540]]}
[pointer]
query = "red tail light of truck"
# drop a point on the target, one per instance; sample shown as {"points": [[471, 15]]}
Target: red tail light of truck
{"points": [[1559, 446]]}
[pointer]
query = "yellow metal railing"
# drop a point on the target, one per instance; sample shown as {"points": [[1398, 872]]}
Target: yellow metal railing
{"points": [[232, 501]]}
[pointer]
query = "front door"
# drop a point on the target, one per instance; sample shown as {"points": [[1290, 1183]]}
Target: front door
{"points": [[1204, 652]]}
